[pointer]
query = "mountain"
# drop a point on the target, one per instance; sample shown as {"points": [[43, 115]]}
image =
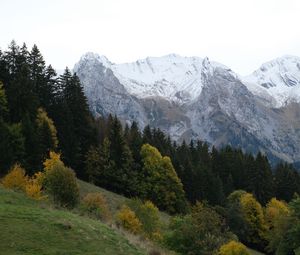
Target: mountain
{"points": [[277, 81], [195, 98]]}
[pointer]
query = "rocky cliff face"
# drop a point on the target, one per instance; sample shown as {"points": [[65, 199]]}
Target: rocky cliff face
{"points": [[193, 98]]}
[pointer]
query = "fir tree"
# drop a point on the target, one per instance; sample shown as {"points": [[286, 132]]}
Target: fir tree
{"points": [[286, 182], [261, 179]]}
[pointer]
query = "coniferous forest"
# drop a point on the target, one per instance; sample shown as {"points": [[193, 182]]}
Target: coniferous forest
{"points": [[227, 193]]}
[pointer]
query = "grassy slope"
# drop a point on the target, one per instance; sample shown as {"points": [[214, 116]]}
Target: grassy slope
{"points": [[30, 227], [114, 200]]}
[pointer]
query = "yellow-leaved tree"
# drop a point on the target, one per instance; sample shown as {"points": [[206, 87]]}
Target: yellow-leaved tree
{"points": [[47, 130], [276, 215], [54, 159], [253, 217], [161, 183]]}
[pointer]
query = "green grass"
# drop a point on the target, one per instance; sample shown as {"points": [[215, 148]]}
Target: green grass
{"points": [[253, 252], [37, 228], [31, 227], [114, 200]]}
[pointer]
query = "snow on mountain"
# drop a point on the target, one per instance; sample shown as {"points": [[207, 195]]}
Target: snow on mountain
{"points": [[277, 81], [195, 98], [172, 77]]}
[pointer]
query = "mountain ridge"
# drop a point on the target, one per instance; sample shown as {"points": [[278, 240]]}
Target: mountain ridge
{"points": [[195, 98]]}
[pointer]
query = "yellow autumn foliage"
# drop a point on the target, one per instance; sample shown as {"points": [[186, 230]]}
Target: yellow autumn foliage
{"points": [[275, 210], [233, 248], [54, 158], [33, 187], [16, 178], [128, 220], [43, 120], [254, 218]]}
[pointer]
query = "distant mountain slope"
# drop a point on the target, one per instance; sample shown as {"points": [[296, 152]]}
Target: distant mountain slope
{"points": [[191, 97]]}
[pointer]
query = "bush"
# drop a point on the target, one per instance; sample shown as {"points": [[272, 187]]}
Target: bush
{"points": [[16, 178], [148, 214], [53, 160], [128, 220], [199, 233], [60, 182], [96, 205], [233, 248], [33, 187]]}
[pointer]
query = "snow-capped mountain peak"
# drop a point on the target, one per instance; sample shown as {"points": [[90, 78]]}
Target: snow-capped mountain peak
{"points": [[195, 98], [172, 77], [278, 78], [91, 56]]}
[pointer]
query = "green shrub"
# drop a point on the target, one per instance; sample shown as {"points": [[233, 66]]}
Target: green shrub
{"points": [[60, 182], [200, 233], [148, 214], [95, 204]]}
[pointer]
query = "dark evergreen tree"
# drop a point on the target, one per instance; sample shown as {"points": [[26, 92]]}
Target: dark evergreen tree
{"points": [[73, 121], [287, 182], [11, 139], [260, 179], [124, 180], [94, 164], [135, 142], [32, 157]]}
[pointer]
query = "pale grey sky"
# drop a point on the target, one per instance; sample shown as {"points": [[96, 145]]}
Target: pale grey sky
{"points": [[241, 34]]}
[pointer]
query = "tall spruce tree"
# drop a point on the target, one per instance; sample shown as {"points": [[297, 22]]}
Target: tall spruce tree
{"points": [[260, 179], [124, 173], [73, 121], [287, 182]]}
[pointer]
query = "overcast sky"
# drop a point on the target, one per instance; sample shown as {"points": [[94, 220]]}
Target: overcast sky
{"points": [[241, 34]]}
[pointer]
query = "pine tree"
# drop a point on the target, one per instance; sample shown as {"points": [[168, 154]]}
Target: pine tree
{"points": [[212, 187], [120, 154], [73, 121], [260, 179], [286, 182], [94, 164], [3, 103], [32, 156], [134, 140], [11, 138]]}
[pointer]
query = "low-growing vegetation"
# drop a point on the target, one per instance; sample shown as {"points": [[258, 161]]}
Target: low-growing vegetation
{"points": [[233, 248], [127, 219], [148, 215], [96, 206]]}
